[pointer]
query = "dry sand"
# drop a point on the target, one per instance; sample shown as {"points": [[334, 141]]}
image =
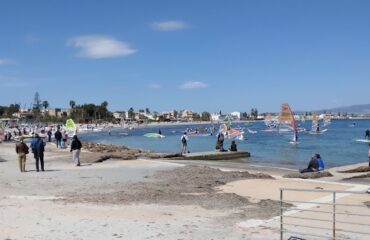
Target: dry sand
{"points": [[143, 199]]}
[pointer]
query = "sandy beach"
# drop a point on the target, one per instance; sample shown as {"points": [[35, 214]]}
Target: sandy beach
{"points": [[152, 199]]}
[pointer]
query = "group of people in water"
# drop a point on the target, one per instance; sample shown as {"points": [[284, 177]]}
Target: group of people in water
{"points": [[219, 143]]}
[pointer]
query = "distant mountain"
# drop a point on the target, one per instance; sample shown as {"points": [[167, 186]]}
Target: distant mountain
{"points": [[356, 109]]}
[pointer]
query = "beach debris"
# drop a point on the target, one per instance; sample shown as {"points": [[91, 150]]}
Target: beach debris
{"points": [[367, 175], [357, 170], [188, 185], [309, 175]]}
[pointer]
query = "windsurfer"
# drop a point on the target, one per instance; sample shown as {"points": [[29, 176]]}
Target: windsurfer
{"points": [[318, 127], [367, 134]]}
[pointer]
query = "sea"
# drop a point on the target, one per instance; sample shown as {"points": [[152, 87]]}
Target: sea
{"points": [[337, 146]]}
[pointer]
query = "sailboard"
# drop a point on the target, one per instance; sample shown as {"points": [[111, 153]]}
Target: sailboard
{"points": [[153, 135], [287, 124], [363, 140], [251, 131]]}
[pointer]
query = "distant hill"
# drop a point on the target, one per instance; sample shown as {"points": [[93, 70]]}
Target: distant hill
{"points": [[356, 109]]}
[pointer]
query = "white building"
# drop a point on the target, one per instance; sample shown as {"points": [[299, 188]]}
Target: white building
{"points": [[235, 115], [215, 117]]}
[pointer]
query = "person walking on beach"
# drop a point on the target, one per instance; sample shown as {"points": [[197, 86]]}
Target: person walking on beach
{"points": [[22, 150], [76, 149], [184, 143], [58, 137], [38, 148], [65, 138], [368, 154], [49, 135]]}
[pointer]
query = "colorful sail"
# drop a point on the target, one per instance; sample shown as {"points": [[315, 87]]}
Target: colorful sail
{"points": [[70, 125], [315, 123], [327, 120], [287, 122]]}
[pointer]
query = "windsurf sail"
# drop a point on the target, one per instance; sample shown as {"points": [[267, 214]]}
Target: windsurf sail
{"points": [[70, 125], [302, 118], [231, 133], [327, 120], [228, 124], [315, 123], [287, 124]]}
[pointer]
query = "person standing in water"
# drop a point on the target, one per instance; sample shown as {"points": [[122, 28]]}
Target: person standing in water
{"points": [[184, 143]]}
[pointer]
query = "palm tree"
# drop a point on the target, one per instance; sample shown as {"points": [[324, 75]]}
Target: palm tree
{"points": [[72, 104], [104, 104], [45, 104]]}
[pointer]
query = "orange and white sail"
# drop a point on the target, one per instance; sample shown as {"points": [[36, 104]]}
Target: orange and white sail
{"points": [[315, 122], [287, 122]]}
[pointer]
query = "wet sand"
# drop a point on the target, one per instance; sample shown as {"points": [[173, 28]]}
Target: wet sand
{"points": [[142, 199]]}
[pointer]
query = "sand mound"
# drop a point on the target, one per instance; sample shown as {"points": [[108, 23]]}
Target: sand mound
{"points": [[357, 170], [309, 175]]}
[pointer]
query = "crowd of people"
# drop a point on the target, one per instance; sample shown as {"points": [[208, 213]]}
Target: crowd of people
{"points": [[38, 148]]}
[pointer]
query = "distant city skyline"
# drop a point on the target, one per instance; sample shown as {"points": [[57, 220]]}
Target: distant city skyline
{"points": [[199, 55]]}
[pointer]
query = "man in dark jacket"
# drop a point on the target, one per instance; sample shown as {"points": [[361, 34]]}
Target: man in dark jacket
{"points": [[38, 148], [22, 150], [58, 137], [76, 149]]}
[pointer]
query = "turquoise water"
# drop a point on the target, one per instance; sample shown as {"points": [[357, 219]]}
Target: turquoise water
{"points": [[336, 146]]}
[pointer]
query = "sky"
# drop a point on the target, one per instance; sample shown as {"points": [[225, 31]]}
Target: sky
{"points": [[200, 55]]}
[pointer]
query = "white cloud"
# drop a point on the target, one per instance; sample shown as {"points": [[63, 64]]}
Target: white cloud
{"points": [[154, 86], [169, 25], [98, 46], [193, 85], [4, 61]]}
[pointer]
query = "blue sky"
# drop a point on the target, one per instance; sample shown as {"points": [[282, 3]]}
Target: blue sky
{"points": [[202, 55]]}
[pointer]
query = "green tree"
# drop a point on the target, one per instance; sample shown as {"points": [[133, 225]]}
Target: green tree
{"points": [[206, 116]]}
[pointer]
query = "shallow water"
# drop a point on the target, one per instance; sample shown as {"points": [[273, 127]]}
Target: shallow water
{"points": [[336, 146]]}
